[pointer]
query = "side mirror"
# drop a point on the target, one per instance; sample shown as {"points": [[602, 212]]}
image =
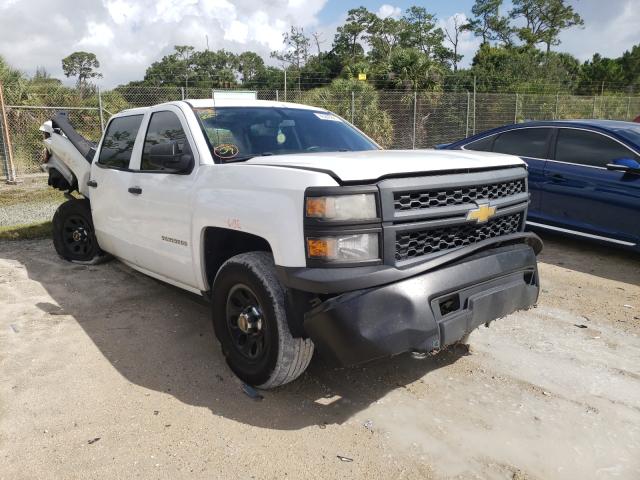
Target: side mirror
{"points": [[626, 165], [168, 157]]}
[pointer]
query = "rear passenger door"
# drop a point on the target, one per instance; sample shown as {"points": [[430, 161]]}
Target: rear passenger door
{"points": [[159, 200], [110, 177], [532, 145], [580, 194]]}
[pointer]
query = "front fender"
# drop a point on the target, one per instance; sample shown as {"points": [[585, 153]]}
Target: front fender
{"points": [[264, 201]]}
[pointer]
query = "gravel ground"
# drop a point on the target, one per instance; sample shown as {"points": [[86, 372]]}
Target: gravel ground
{"points": [[26, 213], [32, 201], [107, 373]]}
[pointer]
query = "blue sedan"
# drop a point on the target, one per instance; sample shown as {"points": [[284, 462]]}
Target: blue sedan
{"points": [[584, 175]]}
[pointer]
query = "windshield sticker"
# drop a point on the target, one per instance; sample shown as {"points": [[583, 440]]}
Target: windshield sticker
{"points": [[226, 150], [327, 116], [206, 113], [281, 137]]}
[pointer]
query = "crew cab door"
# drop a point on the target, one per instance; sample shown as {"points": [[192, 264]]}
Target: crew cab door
{"points": [[110, 177], [159, 198], [580, 194]]}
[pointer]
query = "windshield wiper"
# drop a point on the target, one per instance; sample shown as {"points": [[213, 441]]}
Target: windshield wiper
{"points": [[237, 159]]}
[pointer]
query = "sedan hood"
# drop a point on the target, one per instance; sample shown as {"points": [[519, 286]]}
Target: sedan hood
{"points": [[374, 164]]}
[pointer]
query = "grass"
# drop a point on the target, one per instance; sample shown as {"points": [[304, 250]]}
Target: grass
{"points": [[16, 194], [26, 232]]}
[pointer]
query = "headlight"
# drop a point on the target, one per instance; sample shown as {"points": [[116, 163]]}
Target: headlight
{"points": [[342, 207], [344, 248]]}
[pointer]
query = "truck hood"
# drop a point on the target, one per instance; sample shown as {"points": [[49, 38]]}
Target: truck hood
{"points": [[374, 164]]}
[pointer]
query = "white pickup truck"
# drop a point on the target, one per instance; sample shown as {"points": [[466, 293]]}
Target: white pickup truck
{"points": [[301, 230]]}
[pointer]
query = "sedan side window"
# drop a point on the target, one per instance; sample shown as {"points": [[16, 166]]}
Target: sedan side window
{"points": [[589, 148], [166, 147], [481, 145], [119, 140], [524, 142]]}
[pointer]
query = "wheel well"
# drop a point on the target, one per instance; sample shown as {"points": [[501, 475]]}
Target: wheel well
{"points": [[220, 244]]}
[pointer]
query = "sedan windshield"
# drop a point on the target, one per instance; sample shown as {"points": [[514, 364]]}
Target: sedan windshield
{"points": [[631, 133], [239, 133]]}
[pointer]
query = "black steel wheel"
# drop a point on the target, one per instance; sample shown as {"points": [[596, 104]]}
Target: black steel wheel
{"points": [[245, 323], [73, 235], [250, 322]]}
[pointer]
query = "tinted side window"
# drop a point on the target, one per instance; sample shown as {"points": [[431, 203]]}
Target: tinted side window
{"points": [[482, 145], [524, 142], [588, 148], [164, 127], [118, 141]]}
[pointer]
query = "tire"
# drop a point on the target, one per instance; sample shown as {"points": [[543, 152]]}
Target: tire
{"points": [[250, 322], [73, 234]]}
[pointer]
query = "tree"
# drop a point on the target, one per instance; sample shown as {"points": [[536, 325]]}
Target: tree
{"points": [[414, 70], [452, 34], [249, 65], [545, 19], [346, 43], [487, 22], [596, 73], [296, 51], [421, 33], [82, 65]]}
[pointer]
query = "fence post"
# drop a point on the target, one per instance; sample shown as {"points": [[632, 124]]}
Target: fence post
{"points": [[557, 102], [593, 114], [466, 135], [353, 107], [277, 96], [9, 167], [285, 84], [182, 90], [100, 109], [474, 104], [515, 114], [415, 112], [628, 117]]}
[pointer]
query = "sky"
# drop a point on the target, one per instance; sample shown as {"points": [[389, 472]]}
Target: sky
{"points": [[128, 35]]}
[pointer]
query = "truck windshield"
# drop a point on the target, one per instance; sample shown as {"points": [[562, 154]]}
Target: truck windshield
{"points": [[240, 133]]}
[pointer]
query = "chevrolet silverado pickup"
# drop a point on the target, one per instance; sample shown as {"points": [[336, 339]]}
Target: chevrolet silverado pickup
{"points": [[299, 228]]}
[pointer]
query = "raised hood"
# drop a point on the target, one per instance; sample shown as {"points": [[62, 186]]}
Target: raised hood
{"points": [[374, 164]]}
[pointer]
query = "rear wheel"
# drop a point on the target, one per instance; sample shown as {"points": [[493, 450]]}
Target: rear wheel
{"points": [[249, 319], [73, 235]]}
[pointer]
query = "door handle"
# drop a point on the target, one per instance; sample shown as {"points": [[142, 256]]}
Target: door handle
{"points": [[556, 177], [92, 183], [135, 190]]}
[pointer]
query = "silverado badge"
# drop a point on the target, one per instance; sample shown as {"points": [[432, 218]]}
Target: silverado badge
{"points": [[481, 214]]}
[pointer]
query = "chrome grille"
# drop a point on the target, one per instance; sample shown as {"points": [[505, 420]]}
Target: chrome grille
{"points": [[418, 200], [414, 244]]}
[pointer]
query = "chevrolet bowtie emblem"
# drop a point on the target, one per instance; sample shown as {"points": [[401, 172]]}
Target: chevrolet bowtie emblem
{"points": [[481, 214]]}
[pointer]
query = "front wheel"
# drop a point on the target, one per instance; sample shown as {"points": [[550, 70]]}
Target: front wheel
{"points": [[73, 235], [249, 319]]}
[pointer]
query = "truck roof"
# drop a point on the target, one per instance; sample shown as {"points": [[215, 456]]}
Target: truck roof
{"points": [[227, 102]]}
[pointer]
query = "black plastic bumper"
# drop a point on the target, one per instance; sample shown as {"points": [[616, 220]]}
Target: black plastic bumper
{"points": [[427, 311]]}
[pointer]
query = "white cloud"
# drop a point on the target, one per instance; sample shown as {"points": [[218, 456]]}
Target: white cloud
{"points": [[387, 10], [98, 35], [128, 35]]}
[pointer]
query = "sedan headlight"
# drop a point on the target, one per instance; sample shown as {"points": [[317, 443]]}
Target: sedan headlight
{"points": [[342, 207], [345, 248]]}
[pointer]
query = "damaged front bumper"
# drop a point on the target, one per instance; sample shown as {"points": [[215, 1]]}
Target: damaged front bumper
{"points": [[426, 311]]}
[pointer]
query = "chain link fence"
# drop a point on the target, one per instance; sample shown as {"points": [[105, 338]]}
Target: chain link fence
{"points": [[396, 119]]}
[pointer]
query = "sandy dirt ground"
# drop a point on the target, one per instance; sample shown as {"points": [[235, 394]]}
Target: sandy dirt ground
{"points": [[105, 373]]}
